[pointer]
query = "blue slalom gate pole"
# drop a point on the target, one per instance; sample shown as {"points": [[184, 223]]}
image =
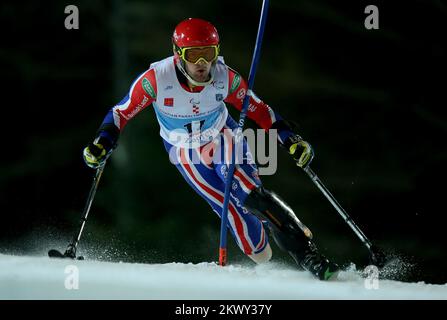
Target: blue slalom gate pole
{"points": [[238, 136]]}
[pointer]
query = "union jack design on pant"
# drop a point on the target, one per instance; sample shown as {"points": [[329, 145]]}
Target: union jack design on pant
{"points": [[205, 170]]}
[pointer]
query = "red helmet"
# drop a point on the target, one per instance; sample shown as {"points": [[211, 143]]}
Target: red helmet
{"points": [[194, 32]]}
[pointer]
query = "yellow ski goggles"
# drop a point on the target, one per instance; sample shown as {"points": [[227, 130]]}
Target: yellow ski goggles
{"points": [[195, 54]]}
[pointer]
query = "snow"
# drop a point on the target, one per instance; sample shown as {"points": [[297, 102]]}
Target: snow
{"points": [[31, 277]]}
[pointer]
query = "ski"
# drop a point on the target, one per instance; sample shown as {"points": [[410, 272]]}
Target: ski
{"points": [[53, 253]]}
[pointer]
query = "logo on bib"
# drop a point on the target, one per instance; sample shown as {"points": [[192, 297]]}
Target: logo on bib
{"points": [[218, 84], [219, 96], [169, 102], [195, 109]]}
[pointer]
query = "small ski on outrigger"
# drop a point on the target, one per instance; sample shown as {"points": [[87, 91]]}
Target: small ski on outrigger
{"points": [[70, 252]]}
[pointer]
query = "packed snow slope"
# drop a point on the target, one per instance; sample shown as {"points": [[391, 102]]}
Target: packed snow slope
{"points": [[24, 277]]}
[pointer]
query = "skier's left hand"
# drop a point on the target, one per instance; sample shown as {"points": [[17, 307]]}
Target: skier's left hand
{"points": [[97, 152], [94, 155], [301, 150]]}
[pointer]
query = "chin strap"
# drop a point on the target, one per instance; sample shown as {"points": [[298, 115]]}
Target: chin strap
{"points": [[180, 66]]}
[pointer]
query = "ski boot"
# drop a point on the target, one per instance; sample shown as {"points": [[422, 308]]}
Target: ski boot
{"points": [[290, 234], [306, 255], [319, 265]]}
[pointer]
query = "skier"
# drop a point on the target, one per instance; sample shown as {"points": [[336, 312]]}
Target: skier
{"points": [[189, 92]]}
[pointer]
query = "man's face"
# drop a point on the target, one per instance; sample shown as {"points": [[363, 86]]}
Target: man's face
{"points": [[200, 71]]}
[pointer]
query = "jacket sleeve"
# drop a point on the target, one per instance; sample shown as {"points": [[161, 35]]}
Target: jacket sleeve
{"points": [[141, 94], [258, 111]]}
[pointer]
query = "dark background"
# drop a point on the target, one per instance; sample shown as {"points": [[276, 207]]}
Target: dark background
{"points": [[369, 101]]}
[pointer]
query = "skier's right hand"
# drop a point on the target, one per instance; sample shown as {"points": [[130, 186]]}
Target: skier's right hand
{"points": [[95, 154]]}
